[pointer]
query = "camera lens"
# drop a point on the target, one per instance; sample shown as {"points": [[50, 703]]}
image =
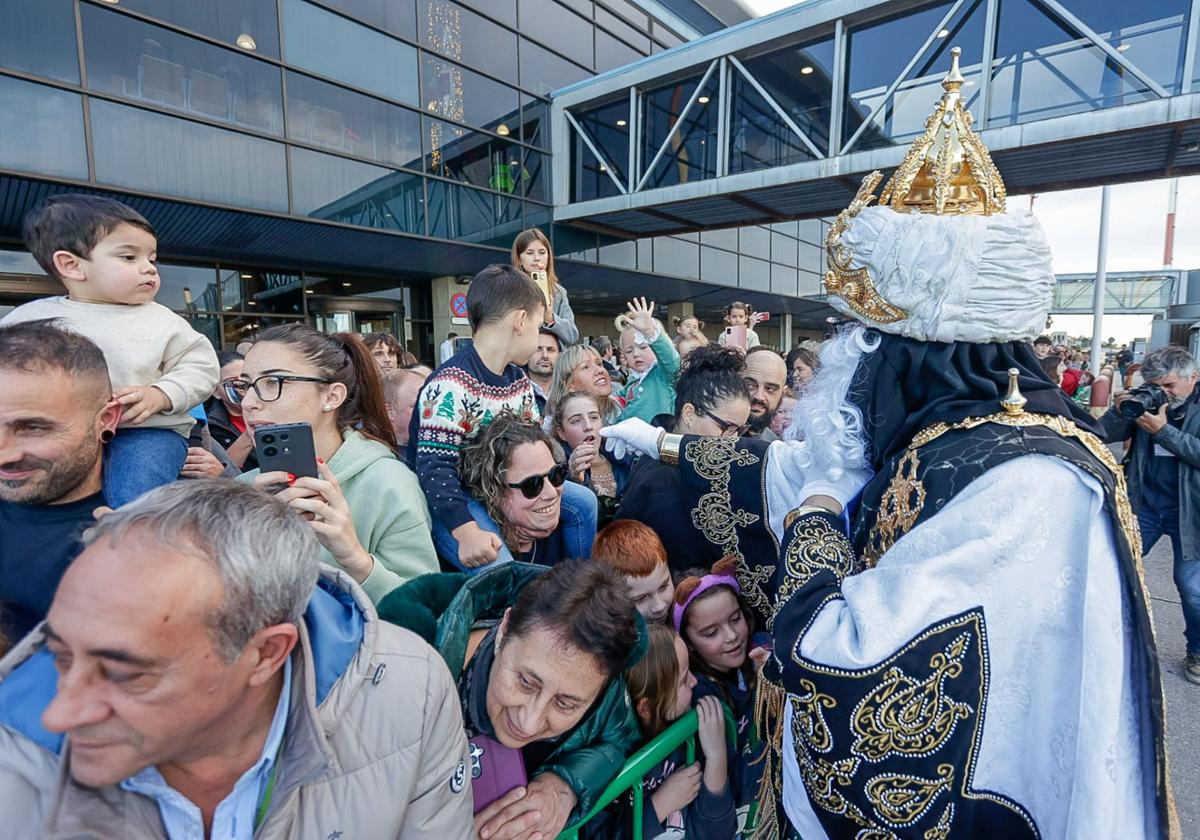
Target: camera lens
{"points": [[283, 436], [270, 452], [268, 438]]}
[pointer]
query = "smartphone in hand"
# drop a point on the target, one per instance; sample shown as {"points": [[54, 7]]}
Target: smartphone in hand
{"points": [[287, 447], [735, 337]]}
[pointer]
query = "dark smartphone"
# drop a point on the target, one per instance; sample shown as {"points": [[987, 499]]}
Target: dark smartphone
{"points": [[287, 447]]}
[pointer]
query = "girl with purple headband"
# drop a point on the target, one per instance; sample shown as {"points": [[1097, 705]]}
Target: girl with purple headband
{"points": [[716, 625]]}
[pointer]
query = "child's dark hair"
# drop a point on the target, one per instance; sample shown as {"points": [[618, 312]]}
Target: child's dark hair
{"points": [[76, 223], [708, 376], [224, 357], [498, 290], [738, 304], [655, 679], [343, 357], [583, 604], [725, 566]]}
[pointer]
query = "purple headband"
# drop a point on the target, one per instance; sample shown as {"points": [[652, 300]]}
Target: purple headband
{"points": [[706, 583]]}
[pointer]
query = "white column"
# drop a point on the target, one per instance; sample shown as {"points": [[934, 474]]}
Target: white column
{"points": [[1098, 293]]}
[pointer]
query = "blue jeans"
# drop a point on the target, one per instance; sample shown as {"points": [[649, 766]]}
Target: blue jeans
{"points": [[1155, 524], [137, 460], [577, 524]]}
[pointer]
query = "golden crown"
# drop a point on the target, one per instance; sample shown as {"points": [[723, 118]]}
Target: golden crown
{"points": [[947, 171]]}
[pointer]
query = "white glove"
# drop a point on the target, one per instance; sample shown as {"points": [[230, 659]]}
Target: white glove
{"points": [[842, 488], [632, 435]]}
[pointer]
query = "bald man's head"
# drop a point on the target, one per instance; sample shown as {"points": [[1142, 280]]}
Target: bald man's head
{"points": [[766, 377]]}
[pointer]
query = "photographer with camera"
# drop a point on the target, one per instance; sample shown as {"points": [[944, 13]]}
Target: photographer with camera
{"points": [[1163, 471]]}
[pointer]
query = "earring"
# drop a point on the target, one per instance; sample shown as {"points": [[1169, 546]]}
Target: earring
{"points": [[327, 407], [106, 436]]}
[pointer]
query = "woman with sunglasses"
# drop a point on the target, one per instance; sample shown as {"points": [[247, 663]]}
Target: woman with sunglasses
{"points": [[516, 472], [711, 400], [366, 507]]}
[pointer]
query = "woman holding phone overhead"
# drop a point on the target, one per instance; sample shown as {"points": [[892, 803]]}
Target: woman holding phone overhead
{"points": [[364, 505], [531, 253]]}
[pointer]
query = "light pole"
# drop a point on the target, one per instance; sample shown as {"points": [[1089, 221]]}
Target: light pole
{"points": [[1098, 292]]}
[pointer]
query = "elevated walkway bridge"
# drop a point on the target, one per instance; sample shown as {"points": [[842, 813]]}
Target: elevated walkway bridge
{"points": [[780, 117]]}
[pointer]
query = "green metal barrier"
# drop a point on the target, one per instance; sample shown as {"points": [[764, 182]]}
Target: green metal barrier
{"points": [[645, 760]]}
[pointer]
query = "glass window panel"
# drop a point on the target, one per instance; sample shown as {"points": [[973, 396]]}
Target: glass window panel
{"points": [[638, 40], [800, 80], [612, 52], [1044, 69], [238, 328], [41, 130], [459, 33], [341, 49], [533, 117], [188, 288], [878, 53], [504, 11], [274, 292], [136, 60], [666, 35], [250, 24], [558, 28], [460, 94], [691, 152], [589, 177], [472, 157], [536, 176], [463, 214], [584, 7], [398, 16], [335, 118], [758, 138], [340, 190], [607, 127], [19, 262], [39, 38], [161, 154], [208, 326], [1151, 35], [542, 71], [630, 12]]}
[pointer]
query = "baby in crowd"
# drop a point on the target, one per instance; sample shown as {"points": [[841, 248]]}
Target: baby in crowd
{"points": [[104, 253], [653, 364]]}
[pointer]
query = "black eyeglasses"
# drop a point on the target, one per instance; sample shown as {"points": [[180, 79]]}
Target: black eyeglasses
{"points": [[727, 429], [268, 388], [531, 487]]}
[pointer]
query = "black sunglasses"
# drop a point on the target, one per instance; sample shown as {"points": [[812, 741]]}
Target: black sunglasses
{"points": [[531, 487], [727, 429]]}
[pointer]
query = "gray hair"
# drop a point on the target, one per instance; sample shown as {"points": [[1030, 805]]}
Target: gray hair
{"points": [[265, 555], [1167, 360]]}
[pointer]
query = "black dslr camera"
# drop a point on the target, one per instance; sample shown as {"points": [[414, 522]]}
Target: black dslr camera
{"points": [[1144, 398]]}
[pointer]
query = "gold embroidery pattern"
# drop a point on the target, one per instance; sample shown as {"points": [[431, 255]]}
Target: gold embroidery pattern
{"points": [[902, 799], [899, 508], [875, 834], [854, 285], [815, 546], [941, 831], [713, 458], [822, 777], [808, 719], [910, 717]]}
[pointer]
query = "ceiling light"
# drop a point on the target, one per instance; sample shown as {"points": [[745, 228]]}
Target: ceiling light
{"points": [[703, 100], [308, 291], [345, 285], [252, 302], [1122, 47], [246, 41], [804, 71], [112, 2], [502, 130], [622, 123], [514, 163], [247, 276], [945, 33], [602, 169]]}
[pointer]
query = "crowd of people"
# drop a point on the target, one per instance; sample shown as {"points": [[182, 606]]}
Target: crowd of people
{"points": [[316, 589]]}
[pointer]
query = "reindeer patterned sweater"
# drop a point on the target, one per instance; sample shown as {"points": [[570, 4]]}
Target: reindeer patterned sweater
{"points": [[458, 400]]}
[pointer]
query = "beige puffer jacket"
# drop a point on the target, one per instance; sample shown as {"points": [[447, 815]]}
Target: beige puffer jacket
{"points": [[382, 755]]}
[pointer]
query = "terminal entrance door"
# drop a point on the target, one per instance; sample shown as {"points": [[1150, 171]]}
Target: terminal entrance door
{"points": [[363, 315]]}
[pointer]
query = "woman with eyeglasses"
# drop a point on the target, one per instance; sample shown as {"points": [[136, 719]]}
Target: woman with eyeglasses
{"points": [[515, 473], [710, 400], [225, 422], [366, 507]]}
